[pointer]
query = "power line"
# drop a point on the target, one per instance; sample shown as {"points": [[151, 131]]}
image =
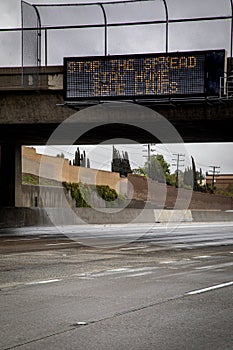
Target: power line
{"points": [[163, 152], [202, 165]]}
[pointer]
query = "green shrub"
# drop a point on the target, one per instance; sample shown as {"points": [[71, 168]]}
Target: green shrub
{"points": [[79, 192], [82, 193], [31, 179], [106, 193]]}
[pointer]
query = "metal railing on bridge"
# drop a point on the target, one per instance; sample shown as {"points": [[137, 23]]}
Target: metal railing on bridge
{"points": [[47, 78], [40, 36], [226, 88]]}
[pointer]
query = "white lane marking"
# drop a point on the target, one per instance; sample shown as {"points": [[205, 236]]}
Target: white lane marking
{"points": [[80, 323], [61, 243], [135, 269], [199, 291], [18, 284], [29, 239], [167, 262], [11, 240], [133, 248], [202, 257], [20, 239], [117, 272], [212, 267], [102, 273], [140, 274], [10, 285], [206, 267], [43, 282]]}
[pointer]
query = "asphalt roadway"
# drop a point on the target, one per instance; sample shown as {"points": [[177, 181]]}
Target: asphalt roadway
{"points": [[168, 288]]}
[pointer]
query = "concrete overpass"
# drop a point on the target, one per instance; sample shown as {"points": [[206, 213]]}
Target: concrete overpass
{"points": [[28, 116]]}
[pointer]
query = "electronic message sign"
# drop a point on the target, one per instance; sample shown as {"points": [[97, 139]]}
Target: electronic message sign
{"points": [[143, 76]]}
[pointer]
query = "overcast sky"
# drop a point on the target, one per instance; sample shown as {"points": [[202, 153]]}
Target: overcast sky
{"points": [[196, 36], [204, 155], [191, 36]]}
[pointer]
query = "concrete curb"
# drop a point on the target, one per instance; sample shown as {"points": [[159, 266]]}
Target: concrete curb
{"points": [[165, 215]]}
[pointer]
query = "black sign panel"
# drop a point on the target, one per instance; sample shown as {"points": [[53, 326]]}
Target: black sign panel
{"points": [[143, 76]]}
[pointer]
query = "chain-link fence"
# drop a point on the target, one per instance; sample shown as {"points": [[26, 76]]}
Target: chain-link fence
{"points": [[31, 44], [50, 32]]}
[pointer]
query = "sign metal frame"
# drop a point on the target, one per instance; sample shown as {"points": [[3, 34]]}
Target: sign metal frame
{"points": [[212, 66]]}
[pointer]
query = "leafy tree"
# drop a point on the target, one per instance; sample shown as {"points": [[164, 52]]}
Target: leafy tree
{"points": [[139, 171], [200, 176], [193, 178], [76, 160], [120, 163], [60, 155], [195, 183], [171, 179], [157, 169], [207, 188], [188, 177], [80, 159], [83, 160]]}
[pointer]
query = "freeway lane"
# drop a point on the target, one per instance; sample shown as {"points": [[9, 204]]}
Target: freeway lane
{"points": [[56, 294], [179, 235]]}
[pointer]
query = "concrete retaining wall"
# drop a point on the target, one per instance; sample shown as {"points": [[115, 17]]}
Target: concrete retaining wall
{"points": [[22, 217], [45, 196], [214, 215], [135, 187], [199, 201], [162, 197], [59, 169]]}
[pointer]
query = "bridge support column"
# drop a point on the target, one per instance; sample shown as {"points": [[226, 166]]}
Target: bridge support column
{"points": [[10, 175]]}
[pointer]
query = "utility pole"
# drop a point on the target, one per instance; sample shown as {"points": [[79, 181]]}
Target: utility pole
{"points": [[214, 167], [177, 164], [148, 159], [149, 150]]}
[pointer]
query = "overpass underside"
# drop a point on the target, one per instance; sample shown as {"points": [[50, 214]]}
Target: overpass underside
{"points": [[39, 134], [29, 118]]}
